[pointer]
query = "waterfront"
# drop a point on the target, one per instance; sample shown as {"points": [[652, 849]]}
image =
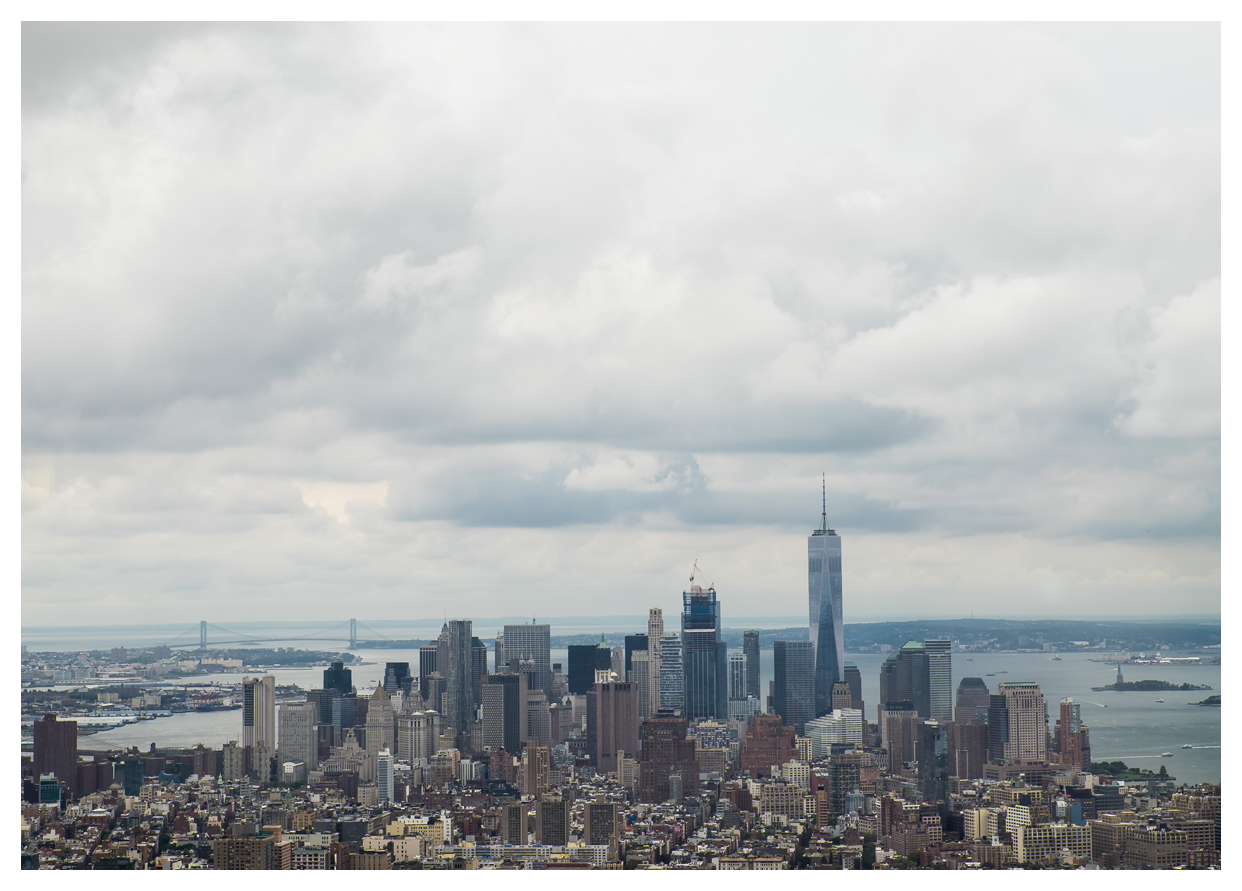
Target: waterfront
{"points": [[1129, 727]]}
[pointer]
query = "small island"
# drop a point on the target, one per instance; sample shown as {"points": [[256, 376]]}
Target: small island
{"points": [[1211, 700], [1148, 686]]}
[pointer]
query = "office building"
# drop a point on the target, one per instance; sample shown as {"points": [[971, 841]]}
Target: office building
{"points": [[793, 682], [933, 757], [426, 668], [338, 678], [826, 629], [841, 727], [972, 700], [704, 655], [500, 661], [397, 678], [299, 733], [56, 752], [665, 753], [672, 678], [259, 711], [615, 725], [584, 661], [968, 749], [1028, 722], [478, 666], [904, 678], [381, 723], [939, 680], [640, 676], [418, 735], [854, 678], [528, 650], [655, 636], [737, 677], [842, 696], [502, 707], [998, 728], [633, 643], [750, 650]]}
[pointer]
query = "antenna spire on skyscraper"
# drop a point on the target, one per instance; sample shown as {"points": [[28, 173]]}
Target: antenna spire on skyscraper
{"points": [[823, 526]]}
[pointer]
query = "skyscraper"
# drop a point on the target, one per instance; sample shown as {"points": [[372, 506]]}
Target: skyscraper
{"points": [[338, 678], [259, 712], [853, 677], [1028, 721], [737, 676], [972, 695], [904, 678], [1072, 737], [384, 775], [939, 680], [584, 661], [615, 725], [503, 718], [528, 651], [633, 643], [426, 668], [381, 722], [827, 633], [933, 756], [457, 642], [56, 752], [750, 649], [666, 751], [655, 633], [299, 736], [396, 678], [793, 687], [703, 655], [672, 679]]}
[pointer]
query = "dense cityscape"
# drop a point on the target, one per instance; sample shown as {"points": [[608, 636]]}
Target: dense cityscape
{"points": [[663, 753]]}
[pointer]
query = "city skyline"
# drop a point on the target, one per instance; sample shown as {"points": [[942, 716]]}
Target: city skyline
{"points": [[528, 319]]}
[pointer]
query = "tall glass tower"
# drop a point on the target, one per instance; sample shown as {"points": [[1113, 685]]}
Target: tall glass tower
{"points": [[827, 633], [703, 654]]}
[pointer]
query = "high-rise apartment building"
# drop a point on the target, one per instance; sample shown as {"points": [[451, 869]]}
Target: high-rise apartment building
{"points": [[56, 752], [457, 648], [384, 776], [827, 633], [704, 655], [528, 651], [259, 712], [552, 820], [299, 733], [1073, 745], [750, 650], [939, 680], [672, 678], [1028, 722], [793, 682], [601, 822]]}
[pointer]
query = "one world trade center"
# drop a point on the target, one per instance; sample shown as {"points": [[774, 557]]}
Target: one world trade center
{"points": [[827, 633]]}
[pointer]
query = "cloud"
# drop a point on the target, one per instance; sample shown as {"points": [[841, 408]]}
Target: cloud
{"points": [[344, 303]]}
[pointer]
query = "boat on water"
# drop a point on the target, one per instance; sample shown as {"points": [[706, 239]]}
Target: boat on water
{"points": [[991, 674], [1056, 658], [1157, 700], [1166, 754], [1188, 746]]}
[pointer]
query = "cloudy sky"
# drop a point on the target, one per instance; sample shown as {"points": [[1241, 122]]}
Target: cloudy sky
{"points": [[491, 320]]}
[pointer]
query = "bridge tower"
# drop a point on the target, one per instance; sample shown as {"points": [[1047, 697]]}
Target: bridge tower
{"points": [[353, 633], [202, 634]]}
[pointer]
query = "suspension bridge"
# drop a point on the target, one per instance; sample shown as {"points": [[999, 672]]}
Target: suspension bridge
{"points": [[214, 635]]}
